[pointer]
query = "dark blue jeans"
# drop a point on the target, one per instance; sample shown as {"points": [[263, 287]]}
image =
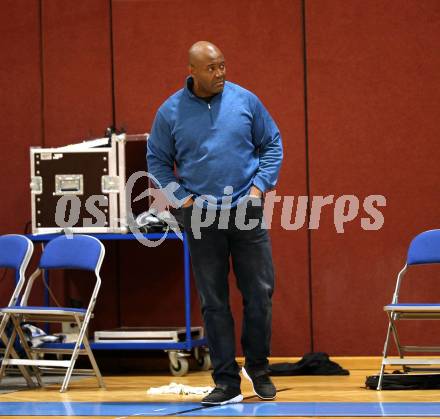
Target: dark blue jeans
{"points": [[251, 255]]}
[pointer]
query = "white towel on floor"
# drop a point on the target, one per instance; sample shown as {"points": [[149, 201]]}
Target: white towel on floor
{"points": [[175, 388]]}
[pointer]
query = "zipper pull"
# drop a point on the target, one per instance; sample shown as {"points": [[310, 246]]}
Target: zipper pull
{"points": [[209, 106]]}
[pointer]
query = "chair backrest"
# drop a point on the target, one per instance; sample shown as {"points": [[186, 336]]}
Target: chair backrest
{"points": [[424, 248], [75, 252], [15, 251]]}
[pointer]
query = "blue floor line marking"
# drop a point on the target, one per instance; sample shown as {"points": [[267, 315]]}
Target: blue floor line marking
{"points": [[92, 408], [268, 409], [183, 409]]}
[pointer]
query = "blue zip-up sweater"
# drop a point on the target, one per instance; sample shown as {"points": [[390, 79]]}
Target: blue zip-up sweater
{"points": [[231, 141]]}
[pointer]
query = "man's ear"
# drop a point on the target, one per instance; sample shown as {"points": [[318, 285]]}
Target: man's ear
{"points": [[191, 70]]}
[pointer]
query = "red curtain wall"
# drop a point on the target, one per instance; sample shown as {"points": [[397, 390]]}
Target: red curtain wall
{"points": [[360, 121]]}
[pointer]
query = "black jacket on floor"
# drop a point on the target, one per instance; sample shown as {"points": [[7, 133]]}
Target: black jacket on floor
{"points": [[313, 363]]}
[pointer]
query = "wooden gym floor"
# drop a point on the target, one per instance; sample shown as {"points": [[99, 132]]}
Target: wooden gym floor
{"points": [[127, 390]]}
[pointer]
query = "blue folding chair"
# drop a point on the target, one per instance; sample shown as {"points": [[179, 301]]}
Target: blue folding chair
{"points": [[424, 249], [15, 253], [77, 252]]}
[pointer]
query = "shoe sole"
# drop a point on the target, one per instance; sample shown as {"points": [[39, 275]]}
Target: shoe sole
{"points": [[236, 399], [246, 375]]}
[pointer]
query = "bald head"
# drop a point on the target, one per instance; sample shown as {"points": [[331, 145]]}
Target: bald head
{"points": [[201, 51], [207, 68]]}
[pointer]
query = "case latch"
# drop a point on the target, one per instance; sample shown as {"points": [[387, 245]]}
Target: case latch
{"points": [[36, 185], [68, 185], [110, 184]]}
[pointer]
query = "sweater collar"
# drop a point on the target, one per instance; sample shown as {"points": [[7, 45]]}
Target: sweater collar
{"points": [[189, 82]]}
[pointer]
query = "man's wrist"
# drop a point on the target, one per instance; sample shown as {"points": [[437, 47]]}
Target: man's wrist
{"points": [[255, 192], [188, 202]]}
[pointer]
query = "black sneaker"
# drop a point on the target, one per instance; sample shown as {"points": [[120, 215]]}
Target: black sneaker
{"points": [[223, 395], [262, 385]]}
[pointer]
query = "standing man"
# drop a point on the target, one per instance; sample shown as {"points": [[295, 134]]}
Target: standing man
{"points": [[225, 145]]}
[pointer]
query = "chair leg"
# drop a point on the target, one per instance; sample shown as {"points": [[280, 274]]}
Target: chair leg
{"points": [[93, 362], [12, 353], [8, 346], [67, 376], [396, 337], [82, 340], [75, 353], [26, 349], [400, 351], [23, 369], [385, 351]]}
